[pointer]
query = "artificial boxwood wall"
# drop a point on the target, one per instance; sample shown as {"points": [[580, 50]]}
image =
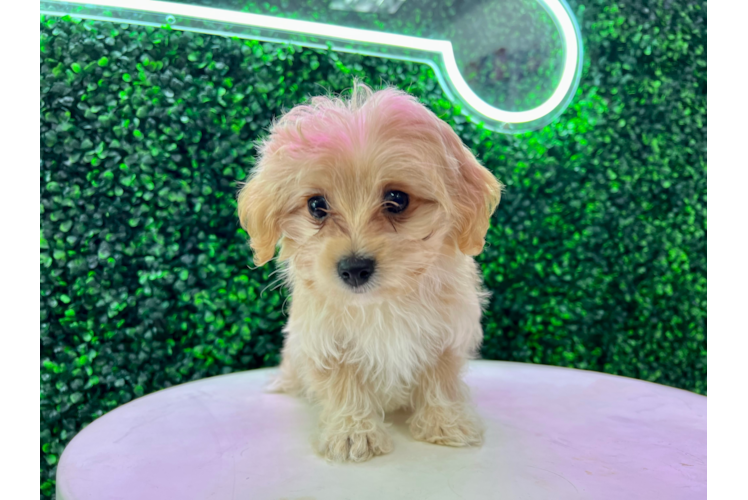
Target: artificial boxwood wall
{"points": [[596, 255]]}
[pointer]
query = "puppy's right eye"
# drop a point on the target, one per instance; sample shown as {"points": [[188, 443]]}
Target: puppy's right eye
{"points": [[317, 207]]}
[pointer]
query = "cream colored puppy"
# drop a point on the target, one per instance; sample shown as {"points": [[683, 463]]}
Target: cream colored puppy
{"points": [[378, 209]]}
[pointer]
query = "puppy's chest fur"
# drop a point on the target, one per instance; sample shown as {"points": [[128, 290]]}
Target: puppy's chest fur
{"points": [[390, 342]]}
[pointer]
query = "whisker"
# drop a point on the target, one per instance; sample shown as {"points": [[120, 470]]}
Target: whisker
{"points": [[279, 280], [276, 271], [283, 306]]}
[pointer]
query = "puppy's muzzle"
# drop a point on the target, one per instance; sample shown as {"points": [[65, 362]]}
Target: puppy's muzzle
{"points": [[355, 271]]}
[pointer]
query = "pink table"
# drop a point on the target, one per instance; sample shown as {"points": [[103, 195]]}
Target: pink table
{"points": [[553, 434]]}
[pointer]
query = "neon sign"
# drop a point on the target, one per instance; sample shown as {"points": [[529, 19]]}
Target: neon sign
{"points": [[512, 73]]}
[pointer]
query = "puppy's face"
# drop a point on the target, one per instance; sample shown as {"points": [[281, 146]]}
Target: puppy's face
{"points": [[364, 195]]}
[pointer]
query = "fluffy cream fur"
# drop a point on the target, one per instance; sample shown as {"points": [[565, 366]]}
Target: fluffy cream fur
{"points": [[403, 340]]}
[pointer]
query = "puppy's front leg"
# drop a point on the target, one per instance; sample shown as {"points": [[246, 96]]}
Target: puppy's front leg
{"points": [[442, 412], [352, 422]]}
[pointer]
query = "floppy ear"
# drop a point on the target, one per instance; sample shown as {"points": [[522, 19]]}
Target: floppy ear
{"points": [[477, 192], [258, 207]]}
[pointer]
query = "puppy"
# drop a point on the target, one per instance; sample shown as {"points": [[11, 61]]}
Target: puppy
{"points": [[378, 210]]}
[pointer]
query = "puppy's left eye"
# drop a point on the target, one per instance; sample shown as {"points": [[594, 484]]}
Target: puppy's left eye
{"points": [[317, 207], [396, 201]]}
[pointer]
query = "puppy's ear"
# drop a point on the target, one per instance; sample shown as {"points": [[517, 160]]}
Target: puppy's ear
{"points": [[477, 192], [259, 211]]}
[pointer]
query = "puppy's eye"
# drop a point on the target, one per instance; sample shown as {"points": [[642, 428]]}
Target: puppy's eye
{"points": [[317, 207], [395, 201]]}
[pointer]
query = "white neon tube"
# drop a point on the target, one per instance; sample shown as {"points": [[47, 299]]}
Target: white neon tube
{"points": [[441, 47]]}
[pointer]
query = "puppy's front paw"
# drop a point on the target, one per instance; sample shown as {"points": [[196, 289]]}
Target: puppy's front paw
{"points": [[448, 426], [355, 443]]}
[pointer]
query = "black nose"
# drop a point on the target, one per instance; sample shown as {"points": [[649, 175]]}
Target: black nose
{"points": [[355, 271]]}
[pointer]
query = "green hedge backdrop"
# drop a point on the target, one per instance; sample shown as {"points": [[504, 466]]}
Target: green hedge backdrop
{"points": [[596, 255]]}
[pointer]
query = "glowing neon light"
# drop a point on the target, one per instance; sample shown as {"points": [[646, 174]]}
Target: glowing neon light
{"points": [[442, 48]]}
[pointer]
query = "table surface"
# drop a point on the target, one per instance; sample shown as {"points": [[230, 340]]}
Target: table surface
{"points": [[552, 433]]}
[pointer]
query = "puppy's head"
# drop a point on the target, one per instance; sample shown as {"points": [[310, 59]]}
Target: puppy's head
{"points": [[364, 194]]}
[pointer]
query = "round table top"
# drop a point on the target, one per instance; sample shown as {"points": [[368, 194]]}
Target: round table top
{"points": [[552, 433]]}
